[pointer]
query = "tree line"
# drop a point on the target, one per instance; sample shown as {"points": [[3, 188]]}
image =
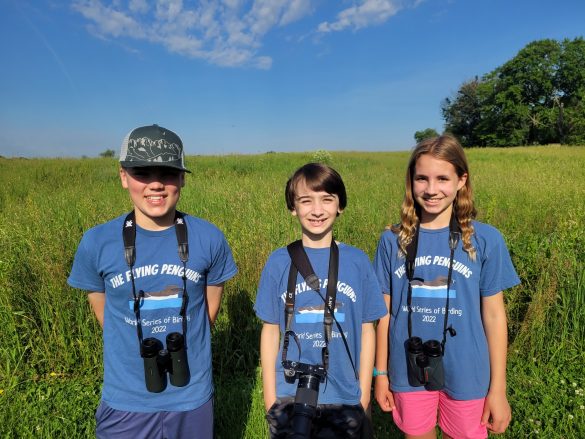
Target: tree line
{"points": [[538, 97]]}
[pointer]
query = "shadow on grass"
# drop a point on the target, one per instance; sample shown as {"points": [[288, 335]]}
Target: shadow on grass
{"points": [[382, 423], [235, 360]]}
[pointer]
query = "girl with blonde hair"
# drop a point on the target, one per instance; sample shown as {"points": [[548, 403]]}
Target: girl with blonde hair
{"points": [[441, 352]]}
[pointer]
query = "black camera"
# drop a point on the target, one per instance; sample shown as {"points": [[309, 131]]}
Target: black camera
{"points": [[305, 405], [424, 362], [158, 361]]}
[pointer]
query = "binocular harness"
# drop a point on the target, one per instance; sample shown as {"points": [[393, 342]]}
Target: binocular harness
{"points": [[424, 361], [158, 360]]}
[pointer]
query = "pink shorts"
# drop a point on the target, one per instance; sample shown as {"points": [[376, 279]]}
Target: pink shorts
{"points": [[416, 414]]}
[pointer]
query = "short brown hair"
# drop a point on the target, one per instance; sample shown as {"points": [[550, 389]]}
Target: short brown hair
{"points": [[318, 177]]}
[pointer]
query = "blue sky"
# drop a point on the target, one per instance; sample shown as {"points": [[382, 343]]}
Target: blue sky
{"points": [[237, 76]]}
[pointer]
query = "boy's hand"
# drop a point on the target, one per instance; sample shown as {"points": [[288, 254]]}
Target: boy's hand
{"points": [[269, 402], [496, 412], [365, 399], [269, 342], [383, 393]]}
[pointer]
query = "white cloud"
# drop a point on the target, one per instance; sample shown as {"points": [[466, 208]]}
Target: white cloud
{"points": [[366, 13], [168, 10], [232, 4], [139, 6], [226, 33], [221, 32], [108, 21], [296, 10]]}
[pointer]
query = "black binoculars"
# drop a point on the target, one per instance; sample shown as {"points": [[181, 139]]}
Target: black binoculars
{"points": [[158, 361], [305, 405], [424, 362]]}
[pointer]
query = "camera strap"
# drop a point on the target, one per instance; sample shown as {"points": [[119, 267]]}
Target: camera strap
{"points": [[300, 264], [411, 251], [129, 237]]}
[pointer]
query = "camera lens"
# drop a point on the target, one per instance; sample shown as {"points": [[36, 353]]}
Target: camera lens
{"points": [[305, 405], [309, 381]]}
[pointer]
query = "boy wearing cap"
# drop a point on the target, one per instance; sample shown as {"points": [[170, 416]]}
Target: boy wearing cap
{"points": [[155, 279]]}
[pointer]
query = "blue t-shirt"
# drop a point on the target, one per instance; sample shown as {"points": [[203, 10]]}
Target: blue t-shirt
{"points": [[358, 300], [466, 361], [99, 265]]}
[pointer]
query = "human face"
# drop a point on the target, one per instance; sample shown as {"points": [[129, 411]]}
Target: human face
{"points": [[434, 186], [155, 192], [316, 212]]}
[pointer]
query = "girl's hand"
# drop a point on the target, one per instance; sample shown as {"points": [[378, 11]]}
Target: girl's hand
{"points": [[383, 393], [496, 412]]}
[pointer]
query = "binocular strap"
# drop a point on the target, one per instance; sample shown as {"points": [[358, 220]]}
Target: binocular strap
{"points": [[129, 237], [300, 263], [411, 250]]}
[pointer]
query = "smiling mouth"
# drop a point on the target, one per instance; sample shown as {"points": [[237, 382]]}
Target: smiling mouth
{"points": [[155, 198], [315, 222]]}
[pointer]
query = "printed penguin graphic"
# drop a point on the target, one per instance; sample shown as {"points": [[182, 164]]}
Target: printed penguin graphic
{"points": [[167, 298], [433, 289], [314, 314]]}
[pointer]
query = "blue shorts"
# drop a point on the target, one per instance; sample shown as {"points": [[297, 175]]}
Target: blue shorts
{"points": [[119, 424]]}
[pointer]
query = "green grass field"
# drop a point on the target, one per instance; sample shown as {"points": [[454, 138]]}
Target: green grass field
{"points": [[50, 349]]}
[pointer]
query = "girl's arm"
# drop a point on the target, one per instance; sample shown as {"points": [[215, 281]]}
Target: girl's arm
{"points": [[269, 343], [496, 412], [97, 300], [382, 384], [367, 362]]}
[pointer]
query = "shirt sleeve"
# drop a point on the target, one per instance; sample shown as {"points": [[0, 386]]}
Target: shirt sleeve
{"points": [[374, 306], [84, 273], [266, 306], [223, 266], [497, 271], [382, 264]]}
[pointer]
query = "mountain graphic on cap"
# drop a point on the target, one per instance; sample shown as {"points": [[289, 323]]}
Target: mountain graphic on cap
{"points": [[152, 145]]}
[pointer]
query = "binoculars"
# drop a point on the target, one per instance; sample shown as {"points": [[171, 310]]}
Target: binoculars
{"points": [[424, 362], [305, 405], [159, 361]]}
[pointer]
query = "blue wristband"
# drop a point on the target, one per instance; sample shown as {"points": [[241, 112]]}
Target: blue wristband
{"points": [[379, 372]]}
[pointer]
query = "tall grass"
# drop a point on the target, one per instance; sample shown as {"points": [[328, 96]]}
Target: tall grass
{"points": [[50, 350]]}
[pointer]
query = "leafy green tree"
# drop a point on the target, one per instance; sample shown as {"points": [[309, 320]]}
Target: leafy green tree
{"points": [[503, 118], [419, 136], [108, 153], [525, 89], [462, 113], [571, 103], [538, 97]]}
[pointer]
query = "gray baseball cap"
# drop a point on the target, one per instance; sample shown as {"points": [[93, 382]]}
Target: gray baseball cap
{"points": [[152, 145]]}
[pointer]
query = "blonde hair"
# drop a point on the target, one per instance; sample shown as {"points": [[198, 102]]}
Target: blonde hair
{"points": [[446, 148]]}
